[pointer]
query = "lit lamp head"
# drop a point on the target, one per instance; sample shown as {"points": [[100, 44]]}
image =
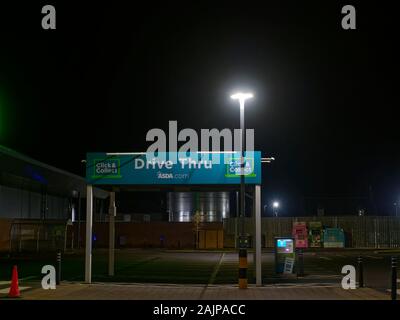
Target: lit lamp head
{"points": [[242, 97], [275, 204]]}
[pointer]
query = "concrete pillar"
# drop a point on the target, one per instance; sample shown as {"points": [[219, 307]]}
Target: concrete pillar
{"points": [[89, 224], [111, 238]]}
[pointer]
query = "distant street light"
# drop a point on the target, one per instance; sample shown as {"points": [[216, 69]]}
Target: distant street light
{"points": [[275, 206]]}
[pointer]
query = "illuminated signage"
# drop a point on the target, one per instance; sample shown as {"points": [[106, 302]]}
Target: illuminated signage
{"points": [[172, 168]]}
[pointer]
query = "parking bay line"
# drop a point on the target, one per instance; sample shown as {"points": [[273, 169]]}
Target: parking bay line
{"points": [[6, 290], [326, 258], [376, 258], [216, 269], [21, 279]]}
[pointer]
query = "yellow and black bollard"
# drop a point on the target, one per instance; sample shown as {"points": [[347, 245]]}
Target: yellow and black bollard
{"points": [[243, 268], [243, 262]]}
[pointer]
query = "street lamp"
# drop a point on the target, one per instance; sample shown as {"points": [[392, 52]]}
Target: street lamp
{"points": [[275, 205], [242, 97]]}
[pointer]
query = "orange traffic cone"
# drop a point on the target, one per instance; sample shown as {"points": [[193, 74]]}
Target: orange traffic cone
{"points": [[14, 289]]}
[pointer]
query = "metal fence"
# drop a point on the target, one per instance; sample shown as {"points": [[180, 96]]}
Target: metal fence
{"points": [[360, 232], [37, 235]]}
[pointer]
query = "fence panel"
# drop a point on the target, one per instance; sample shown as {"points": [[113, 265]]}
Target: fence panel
{"points": [[360, 232]]}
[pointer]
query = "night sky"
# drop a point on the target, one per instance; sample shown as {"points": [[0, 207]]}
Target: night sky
{"points": [[324, 103]]}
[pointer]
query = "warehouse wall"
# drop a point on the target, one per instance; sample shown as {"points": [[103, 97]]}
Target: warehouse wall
{"points": [[150, 234], [24, 204], [5, 227]]}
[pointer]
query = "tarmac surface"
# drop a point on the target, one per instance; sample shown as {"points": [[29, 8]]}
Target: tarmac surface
{"points": [[119, 291], [180, 274]]}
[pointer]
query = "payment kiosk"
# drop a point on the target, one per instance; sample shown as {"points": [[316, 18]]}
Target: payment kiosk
{"points": [[284, 255]]}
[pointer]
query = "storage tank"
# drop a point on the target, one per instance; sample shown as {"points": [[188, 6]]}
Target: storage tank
{"points": [[212, 206]]}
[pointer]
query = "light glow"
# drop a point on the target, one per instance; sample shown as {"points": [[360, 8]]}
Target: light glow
{"points": [[241, 96]]}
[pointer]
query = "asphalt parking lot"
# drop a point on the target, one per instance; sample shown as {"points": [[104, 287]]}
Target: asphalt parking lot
{"points": [[204, 267]]}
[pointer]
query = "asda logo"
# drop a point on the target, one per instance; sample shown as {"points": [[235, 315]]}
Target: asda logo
{"points": [[233, 168], [161, 175]]}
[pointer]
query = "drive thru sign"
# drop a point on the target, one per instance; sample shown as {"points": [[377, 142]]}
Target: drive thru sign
{"points": [[188, 168]]}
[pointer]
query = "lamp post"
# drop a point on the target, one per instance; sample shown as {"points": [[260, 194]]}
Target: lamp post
{"points": [[275, 206], [242, 97]]}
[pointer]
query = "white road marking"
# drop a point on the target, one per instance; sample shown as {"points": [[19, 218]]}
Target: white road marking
{"points": [[27, 278], [304, 285], [334, 276], [21, 279], [325, 258], [376, 258], [6, 290]]}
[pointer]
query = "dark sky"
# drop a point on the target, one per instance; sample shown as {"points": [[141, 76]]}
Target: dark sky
{"points": [[324, 102]]}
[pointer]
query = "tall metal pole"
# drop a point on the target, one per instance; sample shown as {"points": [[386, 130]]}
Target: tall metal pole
{"points": [[243, 243], [242, 185], [236, 219]]}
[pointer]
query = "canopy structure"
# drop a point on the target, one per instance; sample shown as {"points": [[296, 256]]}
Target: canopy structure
{"points": [[143, 171]]}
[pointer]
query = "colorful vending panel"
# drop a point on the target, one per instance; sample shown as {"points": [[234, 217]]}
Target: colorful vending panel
{"points": [[315, 233], [334, 238], [300, 234]]}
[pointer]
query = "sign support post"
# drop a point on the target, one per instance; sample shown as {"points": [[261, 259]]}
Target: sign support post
{"points": [[111, 237], [257, 213], [89, 223]]}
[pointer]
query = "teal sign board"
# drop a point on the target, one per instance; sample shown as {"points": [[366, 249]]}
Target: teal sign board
{"points": [[171, 168]]}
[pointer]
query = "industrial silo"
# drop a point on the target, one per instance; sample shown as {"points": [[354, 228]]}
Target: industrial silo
{"points": [[211, 206]]}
